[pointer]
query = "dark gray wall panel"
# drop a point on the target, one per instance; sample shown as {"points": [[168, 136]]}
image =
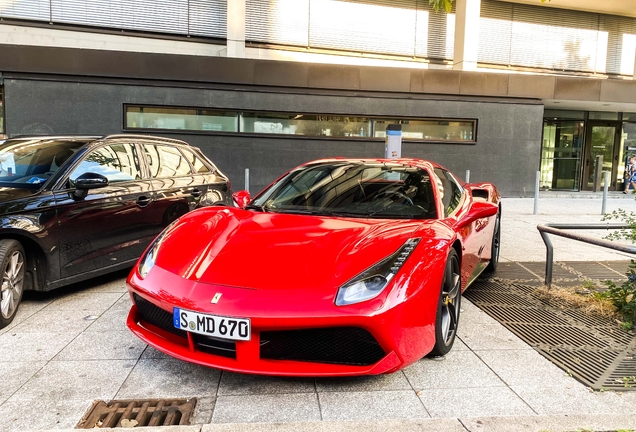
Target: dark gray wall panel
{"points": [[507, 151]]}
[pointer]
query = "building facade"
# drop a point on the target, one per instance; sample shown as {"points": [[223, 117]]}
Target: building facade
{"points": [[503, 89]]}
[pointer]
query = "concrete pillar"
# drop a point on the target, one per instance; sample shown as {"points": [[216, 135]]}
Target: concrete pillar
{"points": [[236, 28], [466, 34]]}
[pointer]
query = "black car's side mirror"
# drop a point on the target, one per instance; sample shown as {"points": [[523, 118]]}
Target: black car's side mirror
{"points": [[88, 181]]}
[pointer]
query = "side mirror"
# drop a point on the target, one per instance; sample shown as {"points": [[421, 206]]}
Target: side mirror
{"points": [[480, 210], [88, 181], [241, 198]]}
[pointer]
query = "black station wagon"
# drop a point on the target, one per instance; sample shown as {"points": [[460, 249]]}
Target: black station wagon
{"points": [[72, 208]]}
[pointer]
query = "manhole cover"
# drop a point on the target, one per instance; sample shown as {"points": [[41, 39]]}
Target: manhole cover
{"points": [[140, 412]]}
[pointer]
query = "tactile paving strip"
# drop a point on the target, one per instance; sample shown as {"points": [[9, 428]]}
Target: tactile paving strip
{"points": [[593, 350]]}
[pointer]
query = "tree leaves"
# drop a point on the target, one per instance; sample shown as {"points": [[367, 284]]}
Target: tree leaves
{"points": [[447, 5]]}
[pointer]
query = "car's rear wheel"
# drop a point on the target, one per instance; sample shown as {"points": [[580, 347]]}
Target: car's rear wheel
{"points": [[448, 307], [12, 265], [496, 245]]}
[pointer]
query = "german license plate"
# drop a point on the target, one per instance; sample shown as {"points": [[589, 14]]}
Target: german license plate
{"points": [[212, 325]]}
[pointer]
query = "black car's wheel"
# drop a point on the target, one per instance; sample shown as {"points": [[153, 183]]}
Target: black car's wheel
{"points": [[173, 213], [496, 245], [448, 305], [12, 265]]}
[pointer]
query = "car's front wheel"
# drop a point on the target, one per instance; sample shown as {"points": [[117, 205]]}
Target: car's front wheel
{"points": [[12, 265], [495, 245], [448, 307]]}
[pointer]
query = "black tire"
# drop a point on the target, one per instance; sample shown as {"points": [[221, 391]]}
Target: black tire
{"points": [[12, 262], [495, 245], [448, 307], [173, 213]]}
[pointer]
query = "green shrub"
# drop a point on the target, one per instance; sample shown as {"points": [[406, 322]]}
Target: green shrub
{"points": [[623, 296]]}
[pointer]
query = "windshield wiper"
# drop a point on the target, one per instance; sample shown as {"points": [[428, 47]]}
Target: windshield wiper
{"points": [[294, 211], [262, 208]]}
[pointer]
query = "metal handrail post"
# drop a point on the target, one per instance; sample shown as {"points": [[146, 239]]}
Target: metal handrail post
{"points": [[549, 256], [558, 229]]}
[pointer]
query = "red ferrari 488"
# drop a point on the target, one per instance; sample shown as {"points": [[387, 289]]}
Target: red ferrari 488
{"points": [[339, 267]]}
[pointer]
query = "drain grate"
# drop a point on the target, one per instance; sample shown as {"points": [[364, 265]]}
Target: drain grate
{"points": [[514, 314], [497, 297], [133, 413], [555, 336], [593, 350], [513, 271], [582, 364], [599, 271]]}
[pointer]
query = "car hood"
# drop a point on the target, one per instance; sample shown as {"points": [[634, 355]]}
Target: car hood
{"points": [[271, 251]]}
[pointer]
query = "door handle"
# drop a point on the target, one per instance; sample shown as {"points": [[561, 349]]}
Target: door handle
{"points": [[143, 201], [196, 193]]}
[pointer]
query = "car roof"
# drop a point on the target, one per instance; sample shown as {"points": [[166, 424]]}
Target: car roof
{"points": [[90, 138], [421, 163]]}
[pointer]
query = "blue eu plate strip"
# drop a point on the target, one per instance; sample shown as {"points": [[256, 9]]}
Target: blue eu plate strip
{"points": [[175, 316]]}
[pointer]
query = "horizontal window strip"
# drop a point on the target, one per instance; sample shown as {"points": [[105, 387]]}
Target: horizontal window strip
{"points": [[205, 120]]}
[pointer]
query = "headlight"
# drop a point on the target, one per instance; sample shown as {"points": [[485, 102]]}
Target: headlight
{"points": [[373, 280], [148, 260]]}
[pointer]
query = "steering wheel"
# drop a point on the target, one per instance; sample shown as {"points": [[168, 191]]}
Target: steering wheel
{"points": [[390, 193]]}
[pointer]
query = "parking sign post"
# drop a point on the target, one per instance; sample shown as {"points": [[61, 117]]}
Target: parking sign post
{"points": [[393, 146]]}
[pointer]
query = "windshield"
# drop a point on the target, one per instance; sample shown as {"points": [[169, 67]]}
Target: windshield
{"points": [[28, 163], [352, 189]]}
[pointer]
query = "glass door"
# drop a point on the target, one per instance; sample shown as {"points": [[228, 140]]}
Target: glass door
{"points": [[602, 144], [561, 154]]}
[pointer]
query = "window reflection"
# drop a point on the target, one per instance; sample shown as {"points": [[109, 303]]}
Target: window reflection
{"points": [[434, 130], [180, 119], [305, 124], [117, 162], [165, 161]]}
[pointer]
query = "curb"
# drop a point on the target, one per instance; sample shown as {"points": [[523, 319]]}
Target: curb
{"points": [[604, 422]]}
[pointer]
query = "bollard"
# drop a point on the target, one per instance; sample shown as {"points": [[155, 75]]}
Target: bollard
{"points": [[598, 168], [536, 193], [247, 179], [606, 180], [467, 176]]}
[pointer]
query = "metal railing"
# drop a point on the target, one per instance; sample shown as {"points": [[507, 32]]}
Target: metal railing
{"points": [[558, 230]]}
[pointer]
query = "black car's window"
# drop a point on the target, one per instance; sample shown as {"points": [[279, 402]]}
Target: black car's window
{"points": [[450, 190], [117, 162], [28, 163], [195, 161], [166, 161], [352, 189]]}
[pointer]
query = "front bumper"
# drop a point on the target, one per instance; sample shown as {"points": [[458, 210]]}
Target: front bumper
{"points": [[300, 342]]}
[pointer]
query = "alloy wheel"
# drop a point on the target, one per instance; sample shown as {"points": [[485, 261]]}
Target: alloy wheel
{"points": [[12, 284], [450, 300], [496, 240]]}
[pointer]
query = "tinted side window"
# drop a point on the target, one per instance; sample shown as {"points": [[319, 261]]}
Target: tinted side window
{"points": [[117, 162], [450, 190], [166, 161], [199, 166]]}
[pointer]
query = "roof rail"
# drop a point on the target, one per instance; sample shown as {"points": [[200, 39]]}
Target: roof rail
{"points": [[31, 136], [148, 137]]}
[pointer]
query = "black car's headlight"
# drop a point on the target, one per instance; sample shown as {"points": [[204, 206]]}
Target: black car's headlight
{"points": [[373, 280], [148, 260]]}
